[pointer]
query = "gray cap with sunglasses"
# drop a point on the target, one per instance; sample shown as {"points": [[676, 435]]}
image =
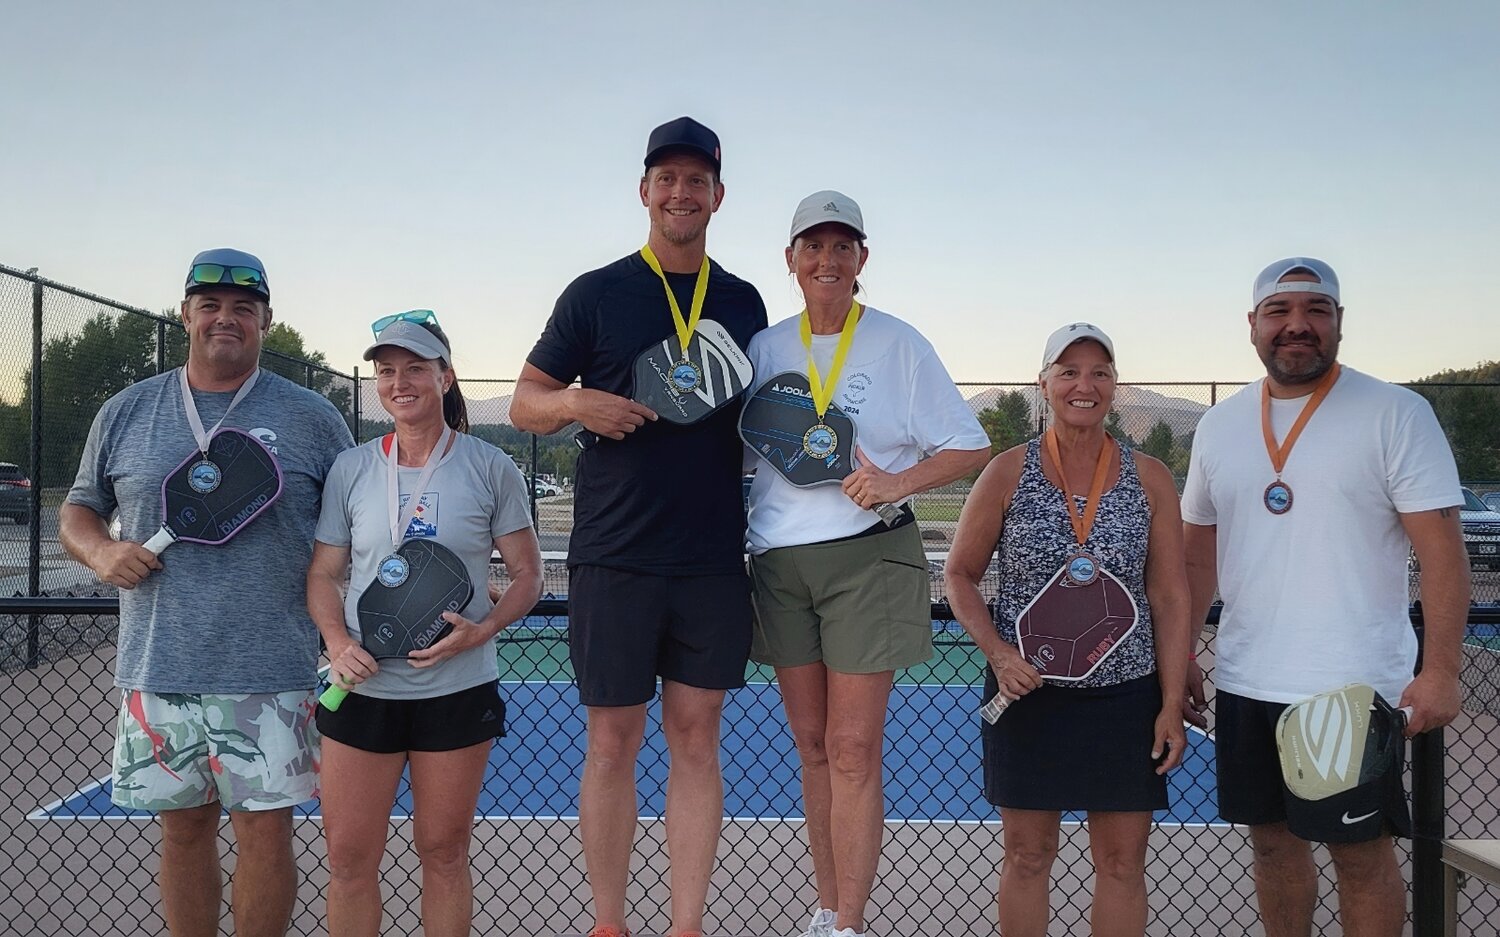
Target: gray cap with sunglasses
{"points": [[404, 333], [225, 266]]}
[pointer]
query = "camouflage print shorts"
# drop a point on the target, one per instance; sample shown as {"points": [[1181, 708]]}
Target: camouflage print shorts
{"points": [[256, 751]]}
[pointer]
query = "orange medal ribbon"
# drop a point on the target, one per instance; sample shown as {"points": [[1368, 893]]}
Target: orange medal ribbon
{"points": [[1277, 453], [1081, 526]]}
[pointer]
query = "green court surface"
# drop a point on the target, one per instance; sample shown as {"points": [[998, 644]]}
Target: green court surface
{"points": [[536, 649]]}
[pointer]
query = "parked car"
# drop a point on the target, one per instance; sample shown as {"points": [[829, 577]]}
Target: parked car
{"points": [[1491, 500], [545, 489], [1481, 532], [15, 493]]}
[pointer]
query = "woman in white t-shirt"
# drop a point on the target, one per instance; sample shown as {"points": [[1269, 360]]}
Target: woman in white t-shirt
{"points": [[438, 711], [842, 597]]}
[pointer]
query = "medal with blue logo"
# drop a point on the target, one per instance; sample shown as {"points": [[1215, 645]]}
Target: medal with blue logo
{"points": [[685, 376], [1081, 567], [205, 475], [821, 440], [394, 568], [1278, 495]]}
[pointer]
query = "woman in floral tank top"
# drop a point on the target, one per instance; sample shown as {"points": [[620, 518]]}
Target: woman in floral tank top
{"points": [[1086, 530]]}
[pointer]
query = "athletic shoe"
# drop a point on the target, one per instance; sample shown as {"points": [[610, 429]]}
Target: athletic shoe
{"points": [[606, 931], [846, 932], [821, 924]]}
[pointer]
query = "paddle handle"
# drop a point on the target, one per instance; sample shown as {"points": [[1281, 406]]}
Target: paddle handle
{"points": [[995, 708], [160, 540], [333, 698], [890, 513]]}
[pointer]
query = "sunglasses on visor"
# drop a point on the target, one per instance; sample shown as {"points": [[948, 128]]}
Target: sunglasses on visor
{"points": [[417, 316]]}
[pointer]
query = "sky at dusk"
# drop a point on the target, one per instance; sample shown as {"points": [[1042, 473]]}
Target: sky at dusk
{"points": [[1020, 165]]}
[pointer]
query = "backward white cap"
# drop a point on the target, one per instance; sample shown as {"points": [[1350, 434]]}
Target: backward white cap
{"points": [[412, 337], [1058, 341], [1269, 282], [825, 206]]}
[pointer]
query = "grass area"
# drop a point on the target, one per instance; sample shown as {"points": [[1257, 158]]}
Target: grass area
{"points": [[937, 510]]}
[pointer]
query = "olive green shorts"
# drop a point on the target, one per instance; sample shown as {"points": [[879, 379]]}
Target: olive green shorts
{"points": [[861, 605]]}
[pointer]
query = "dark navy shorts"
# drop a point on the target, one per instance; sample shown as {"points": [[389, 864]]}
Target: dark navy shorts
{"points": [[626, 629]]}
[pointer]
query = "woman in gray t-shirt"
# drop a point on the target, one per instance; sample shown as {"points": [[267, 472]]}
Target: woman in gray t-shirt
{"points": [[438, 710]]}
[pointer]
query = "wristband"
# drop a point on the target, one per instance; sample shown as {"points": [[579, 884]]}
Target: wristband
{"points": [[1192, 656]]}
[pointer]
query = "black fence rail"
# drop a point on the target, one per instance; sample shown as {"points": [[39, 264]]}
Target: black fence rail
{"points": [[70, 864]]}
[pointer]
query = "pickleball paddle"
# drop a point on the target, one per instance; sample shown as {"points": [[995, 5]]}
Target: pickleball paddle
{"points": [[1334, 742], [402, 609], [213, 495], [1067, 630], [781, 425]]}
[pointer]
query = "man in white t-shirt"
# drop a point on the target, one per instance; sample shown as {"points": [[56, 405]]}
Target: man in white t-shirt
{"points": [[1304, 528]]}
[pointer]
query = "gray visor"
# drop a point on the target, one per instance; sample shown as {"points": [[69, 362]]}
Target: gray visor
{"points": [[413, 338]]}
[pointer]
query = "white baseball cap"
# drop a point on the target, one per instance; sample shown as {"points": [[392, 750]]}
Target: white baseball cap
{"points": [[1059, 341], [825, 206], [1268, 283]]}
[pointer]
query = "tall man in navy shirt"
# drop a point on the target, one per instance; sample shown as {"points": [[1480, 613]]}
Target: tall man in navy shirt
{"points": [[657, 584]]}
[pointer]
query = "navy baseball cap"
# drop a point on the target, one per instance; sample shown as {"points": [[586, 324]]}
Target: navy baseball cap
{"points": [[684, 133], [225, 266]]}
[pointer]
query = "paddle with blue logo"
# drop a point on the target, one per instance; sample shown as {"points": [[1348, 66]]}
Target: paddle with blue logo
{"points": [[684, 389], [1337, 741], [402, 609], [781, 425], [214, 495]]}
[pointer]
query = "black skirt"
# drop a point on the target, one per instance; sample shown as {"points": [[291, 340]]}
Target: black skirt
{"points": [[1066, 748]]}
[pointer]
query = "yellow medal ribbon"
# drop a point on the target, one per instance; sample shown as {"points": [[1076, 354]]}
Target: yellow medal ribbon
{"points": [[685, 328], [822, 393]]}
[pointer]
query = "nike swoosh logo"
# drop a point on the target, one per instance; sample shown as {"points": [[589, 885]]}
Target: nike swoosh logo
{"points": [[1350, 821]]}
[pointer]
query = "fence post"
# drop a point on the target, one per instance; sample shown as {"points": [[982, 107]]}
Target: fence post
{"points": [[161, 345], [358, 422], [535, 524], [34, 567], [1213, 393], [1428, 783]]}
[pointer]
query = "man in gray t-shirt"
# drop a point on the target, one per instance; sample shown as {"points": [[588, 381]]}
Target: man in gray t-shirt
{"points": [[217, 658]]}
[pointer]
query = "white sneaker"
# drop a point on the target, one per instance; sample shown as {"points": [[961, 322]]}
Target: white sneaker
{"points": [[845, 932], [821, 924]]}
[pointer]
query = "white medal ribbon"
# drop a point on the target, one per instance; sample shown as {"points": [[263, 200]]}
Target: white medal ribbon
{"points": [[195, 423], [400, 517]]}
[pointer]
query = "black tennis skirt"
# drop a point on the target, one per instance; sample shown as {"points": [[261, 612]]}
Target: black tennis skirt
{"points": [[1066, 748]]}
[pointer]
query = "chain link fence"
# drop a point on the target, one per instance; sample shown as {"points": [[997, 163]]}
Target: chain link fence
{"points": [[69, 863]]}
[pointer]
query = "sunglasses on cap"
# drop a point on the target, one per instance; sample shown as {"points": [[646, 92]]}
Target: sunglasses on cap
{"points": [[417, 316], [219, 274]]}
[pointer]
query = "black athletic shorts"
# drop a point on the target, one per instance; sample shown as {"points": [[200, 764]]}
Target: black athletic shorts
{"points": [[439, 724], [1252, 791], [626, 629]]}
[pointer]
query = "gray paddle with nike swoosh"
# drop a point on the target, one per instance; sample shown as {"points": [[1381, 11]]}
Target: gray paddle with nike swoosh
{"points": [[1336, 741]]}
